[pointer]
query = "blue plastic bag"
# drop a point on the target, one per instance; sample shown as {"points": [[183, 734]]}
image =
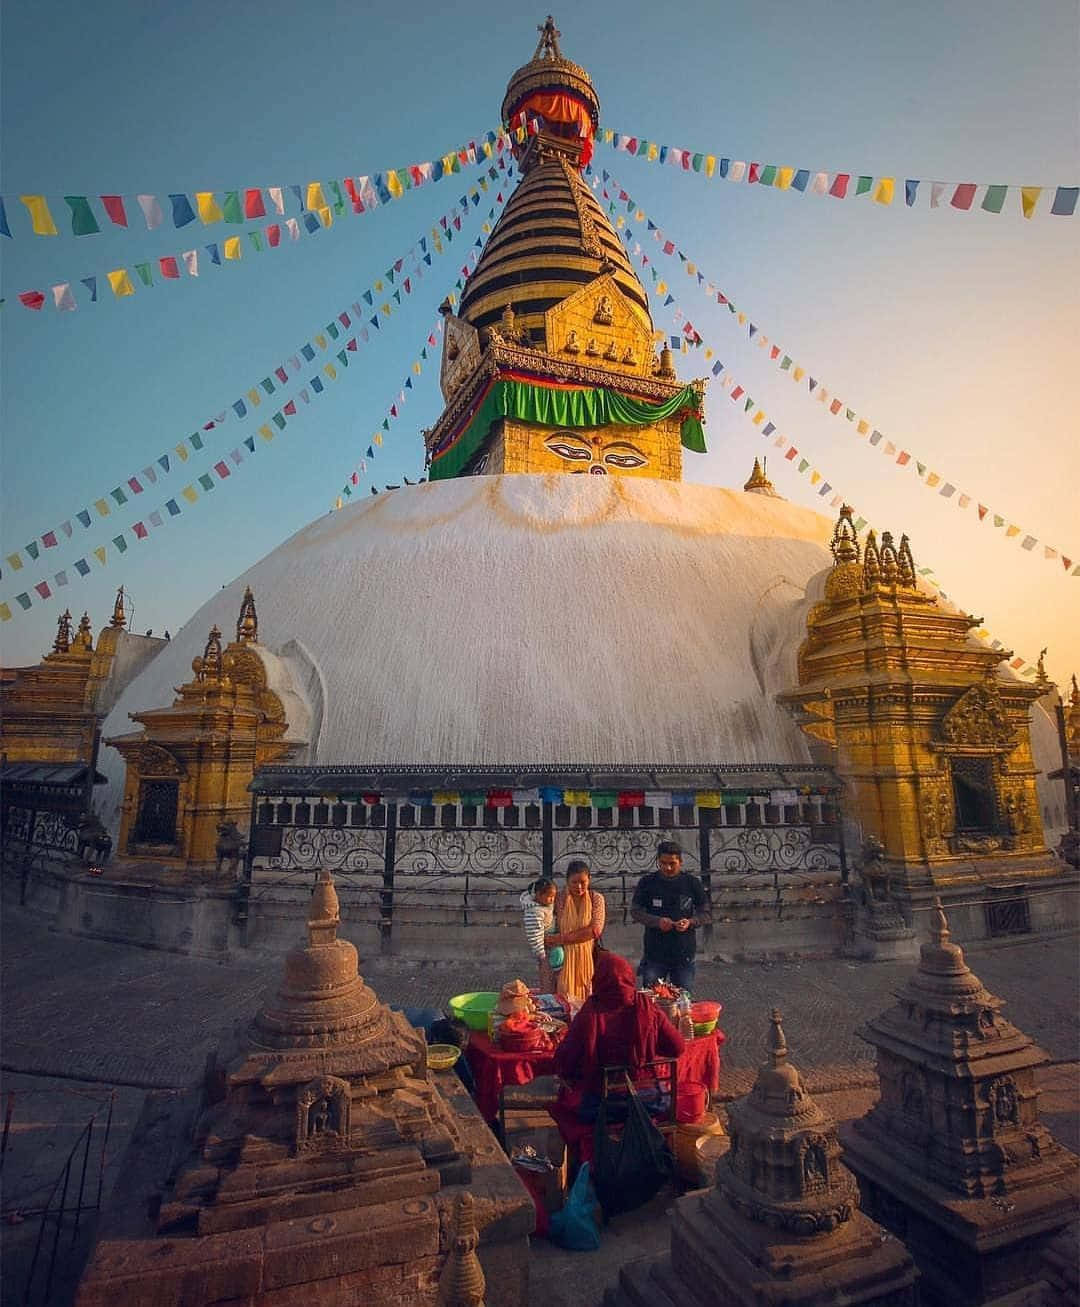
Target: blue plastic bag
{"points": [[576, 1226]]}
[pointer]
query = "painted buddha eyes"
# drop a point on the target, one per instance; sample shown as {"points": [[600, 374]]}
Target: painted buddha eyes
{"points": [[574, 449]]}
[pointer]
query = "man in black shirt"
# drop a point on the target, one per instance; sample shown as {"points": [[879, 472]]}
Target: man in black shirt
{"points": [[670, 903]]}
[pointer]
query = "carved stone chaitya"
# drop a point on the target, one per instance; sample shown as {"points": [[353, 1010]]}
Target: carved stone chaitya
{"points": [[953, 1158], [782, 1223], [326, 1164]]}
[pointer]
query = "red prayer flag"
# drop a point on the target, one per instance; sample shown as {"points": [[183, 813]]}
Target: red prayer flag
{"points": [[253, 204], [631, 799], [136, 488], [791, 453], [964, 195], [774, 353], [114, 207], [903, 458], [280, 372], [343, 318], [983, 510], [840, 184], [754, 173], [834, 407], [31, 299], [737, 392], [290, 408], [351, 344], [355, 478], [42, 588], [168, 266], [669, 247], [49, 539], [222, 469], [273, 234], [140, 530], [393, 410], [1066, 562]]}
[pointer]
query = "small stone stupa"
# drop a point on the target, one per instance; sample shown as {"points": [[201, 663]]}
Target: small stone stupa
{"points": [[782, 1222], [953, 1157], [325, 1161]]}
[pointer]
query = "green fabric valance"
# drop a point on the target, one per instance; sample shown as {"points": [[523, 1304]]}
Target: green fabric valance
{"points": [[588, 407]]}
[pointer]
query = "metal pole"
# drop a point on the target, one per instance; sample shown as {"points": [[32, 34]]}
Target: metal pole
{"points": [[547, 842], [705, 867], [104, 1145], [59, 1223], [386, 898], [7, 1124], [82, 1177]]}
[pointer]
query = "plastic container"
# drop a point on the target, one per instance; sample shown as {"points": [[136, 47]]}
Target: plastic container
{"points": [[473, 1008], [692, 1102], [441, 1057], [705, 1015]]}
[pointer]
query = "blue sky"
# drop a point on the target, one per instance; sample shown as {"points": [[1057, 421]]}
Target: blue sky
{"points": [[954, 333]]}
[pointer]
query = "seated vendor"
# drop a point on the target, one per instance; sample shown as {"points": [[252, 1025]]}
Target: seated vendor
{"points": [[616, 1026]]}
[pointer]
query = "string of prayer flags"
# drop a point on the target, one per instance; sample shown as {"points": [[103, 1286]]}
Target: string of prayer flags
{"points": [[838, 185], [363, 192], [170, 460], [861, 426]]}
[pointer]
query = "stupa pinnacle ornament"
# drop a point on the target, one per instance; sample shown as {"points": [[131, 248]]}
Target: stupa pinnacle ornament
{"points": [[119, 617], [62, 643], [84, 636], [247, 624], [759, 482], [462, 1281]]}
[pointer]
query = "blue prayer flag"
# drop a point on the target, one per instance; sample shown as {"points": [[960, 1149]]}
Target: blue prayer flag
{"points": [[173, 507], [911, 187], [84, 517], [800, 179], [215, 255], [240, 408], [182, 212], [91, 285], [1065, 201], [5, 230]]}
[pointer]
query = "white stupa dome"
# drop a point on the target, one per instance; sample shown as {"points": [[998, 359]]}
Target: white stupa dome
{"points": [[523, 620]]}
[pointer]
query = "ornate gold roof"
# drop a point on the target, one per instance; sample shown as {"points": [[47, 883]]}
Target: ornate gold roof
{"points": [[552, 238], [548, 70]]}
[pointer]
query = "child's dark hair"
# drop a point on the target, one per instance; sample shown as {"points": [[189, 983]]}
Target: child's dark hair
{"points": [[542, 884], [448, 1032]]}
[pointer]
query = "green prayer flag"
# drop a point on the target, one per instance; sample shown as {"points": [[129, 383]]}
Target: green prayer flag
{"points": [[734, 798], [332, 331], [120, 543], [206, 481], [256, 240], [279, 421], [231, 208], [748, 405], [803, 464], [143, 269], [697, 161], [343, 357], [389, 275], [119, 495], [83, 222], [339, 201], [863, 185], [785, 362], [643, 146], [768, 175], [994, 198], [604, 798]]}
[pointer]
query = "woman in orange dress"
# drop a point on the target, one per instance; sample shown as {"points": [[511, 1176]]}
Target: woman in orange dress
{"points": [[580, 913]]}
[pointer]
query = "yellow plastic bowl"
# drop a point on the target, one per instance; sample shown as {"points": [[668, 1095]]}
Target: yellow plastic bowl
{"points": [[441, 1057]]}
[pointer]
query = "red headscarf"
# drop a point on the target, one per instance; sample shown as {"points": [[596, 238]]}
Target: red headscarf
{"points": [[630, 1040]]}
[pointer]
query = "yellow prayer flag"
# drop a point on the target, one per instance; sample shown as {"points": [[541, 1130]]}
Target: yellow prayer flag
{"points": [[741, 319], [932, 478], [710, 164], [639, 216], [102, 507], [1012, 531], [320, 340], [385, 309], [315, 198], [330, 371], [783, 178], [208, 207], [377, 438], [884, 192], [799, 373], [40, 216], [254, 399], [393, 184], [190, 494], [708, 352], [337, 502], [487, 149], [691, 271], [577, 798], [121, 283], [379, 284], [759, 418], [5, 613], [620, 221], [232, 247], [1029, 197], [99, 554], [14, 562], [182, 453], [416, 368], [661, 288], [653, 152], [485, 227], [815, 477], [326, 216], [266, 433], [443, 797], [709, 799], [863, 427]]}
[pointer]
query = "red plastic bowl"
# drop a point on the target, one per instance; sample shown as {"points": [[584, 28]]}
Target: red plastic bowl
{"points": [[693, 1100], [705, 1010]]}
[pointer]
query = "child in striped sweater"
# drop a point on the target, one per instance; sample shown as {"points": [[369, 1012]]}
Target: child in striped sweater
{"points": [[538, 910]]}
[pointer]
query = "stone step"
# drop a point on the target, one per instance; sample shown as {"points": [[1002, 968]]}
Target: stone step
{"points": [[643, 1283]]}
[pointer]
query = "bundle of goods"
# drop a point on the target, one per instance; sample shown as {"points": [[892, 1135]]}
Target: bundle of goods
{"points": [[675, 1005], [519, 1024]]}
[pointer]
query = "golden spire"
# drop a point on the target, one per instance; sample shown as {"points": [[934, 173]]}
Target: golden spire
{"points": [[62, 643], [890, 564], [905, 564], [871, 563], [84, 638], [1042, 681], [208, 667], [462, 1283], [247, 624], [759, 481], [548, 45], [119, 617], [845, 542]]}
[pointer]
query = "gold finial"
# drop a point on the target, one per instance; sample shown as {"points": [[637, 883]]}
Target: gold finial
{"points": [[462, 1283], [905, 564], [119, 617], [247, 624], [845, 541], [62, 643], [84, 638], [939, 924], [208, 667], [758, 479], [777, 1042], [1074, 697], [871, 563], [324, 911], [1042, 681], [548, 45], [890, 564]]}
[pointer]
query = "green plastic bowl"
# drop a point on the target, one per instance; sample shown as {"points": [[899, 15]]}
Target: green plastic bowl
{"points": [[474, 1008]]}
